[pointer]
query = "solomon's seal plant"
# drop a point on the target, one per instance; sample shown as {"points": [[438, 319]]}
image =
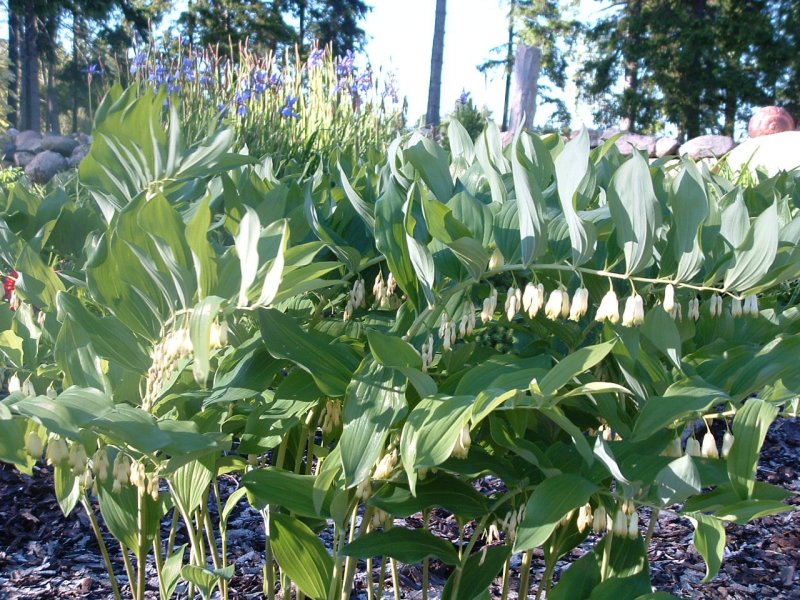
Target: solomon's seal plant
{"points": [[211, 317]]}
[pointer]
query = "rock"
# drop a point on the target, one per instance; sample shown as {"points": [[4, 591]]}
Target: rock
{"points": [[667, 147], [770, 120], [630, 141], [609, 133], [78, 154], [45, 165], [8, 149], [29, 141], [12, 133], [771, 153], [59, 143], [707, 146], [21, 159]]}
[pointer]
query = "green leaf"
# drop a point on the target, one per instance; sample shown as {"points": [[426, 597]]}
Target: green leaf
{"points": [[301, 555], [571, 166], [66, 488], [200, 322], [406, 545], [189, 483], [635, 211], [204, 578], [477, 573], [203, 255], [392, 351], [364, 210], [530, 205], [330, 364], [754, 257], [677, 481], [461, 145], [274, 276], [709, 539], [430, 160], [11, 348], [749, 510], [374, 403], [109, 337], [171, 571], [431, 430], [660, 329], [750, 427], [572, 365], [441, 489], [549, 503], [246, 243], [689, 204], [276, 487]]}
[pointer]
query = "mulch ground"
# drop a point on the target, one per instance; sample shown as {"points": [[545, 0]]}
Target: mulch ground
{"points": [[44, 555]]}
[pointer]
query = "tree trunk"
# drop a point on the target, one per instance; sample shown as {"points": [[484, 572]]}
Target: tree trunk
{"points": [[51, 30], [509, 64], [301, 28], [76, 79], [437, 60], [731, 106], [13, 62], [526, 87], [630, 94], [30, 70]]}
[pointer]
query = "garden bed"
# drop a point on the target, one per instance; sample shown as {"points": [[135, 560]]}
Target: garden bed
{"points": [[43, 555]]}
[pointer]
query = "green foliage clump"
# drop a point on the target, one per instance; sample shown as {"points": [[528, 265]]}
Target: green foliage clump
{"points": [[372, 337]]}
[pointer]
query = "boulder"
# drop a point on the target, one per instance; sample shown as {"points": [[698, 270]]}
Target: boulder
{"points": [[78, 154], [21, 159], [12, 133], [770, 120], [59, 143], [707, 146], [667, 147], [29, 141], [45, 165], [609, 133], [630, 141], [770, 153], [7, 148]]}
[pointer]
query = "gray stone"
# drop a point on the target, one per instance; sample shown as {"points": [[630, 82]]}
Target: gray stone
{"points": [[29, 141], [707, 146], [45, 165], [21, 159], [630, 141], [609, 133], [8, 149], [770, 153], [78, 154], [59, 143], [667, 147], [12, 133]]}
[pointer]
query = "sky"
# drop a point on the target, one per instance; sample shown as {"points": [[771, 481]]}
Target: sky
{"points": [[401, 36]]}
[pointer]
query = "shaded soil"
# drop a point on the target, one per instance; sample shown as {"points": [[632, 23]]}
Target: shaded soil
{"points": [[44, 555]]}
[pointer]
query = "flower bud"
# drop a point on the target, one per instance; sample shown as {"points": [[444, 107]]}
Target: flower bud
{"points": [[629, 314], [77, 458], [391, 284], [14, 384], [751, 306], [50, 392], [463, 442], [715, 306], [511, 305], [86, 480], [693, 311], [693, 447], [386, 465], [33, 445], [27, 389], [669, 298], [633, 526], [673, 450], [585, 518], [57, 451], [620, 524], [727, 443], [709, 447], [364, 490], [580, 304], [379, 518], [497, 260], [599, 520], [609, 308], [552, 309], [736, 308]]}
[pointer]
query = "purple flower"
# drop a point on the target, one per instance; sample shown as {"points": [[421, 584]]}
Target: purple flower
{"points": [[315, 60], [242, 110], [463, 98], [243, 96], [288, 111], [93, 69], [345, 64], [364, 81]]}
